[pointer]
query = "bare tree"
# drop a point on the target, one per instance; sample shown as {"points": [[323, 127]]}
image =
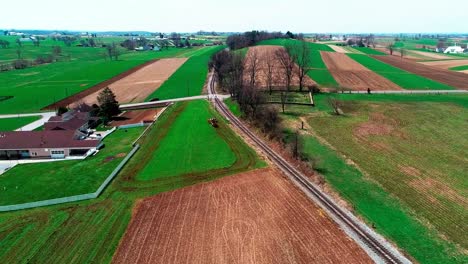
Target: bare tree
{"points": [[302, 60], [252, 66], [390, 48], [335, 105], [287, 64], [268, 69], [283, 98]]}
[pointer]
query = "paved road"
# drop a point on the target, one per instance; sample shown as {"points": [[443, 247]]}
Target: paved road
{"points": [[410, 92], [30, 127], [165, 102]]}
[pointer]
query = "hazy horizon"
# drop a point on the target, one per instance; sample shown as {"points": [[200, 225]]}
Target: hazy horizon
{"points": [[209, 15]]}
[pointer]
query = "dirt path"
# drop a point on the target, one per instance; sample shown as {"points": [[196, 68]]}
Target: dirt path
{"points": [[140, 84], [454, 79], [338, 49], [350, 74], [254, 217]]}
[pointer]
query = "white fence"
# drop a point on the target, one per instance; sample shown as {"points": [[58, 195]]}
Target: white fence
{"points": [[74, 198]]}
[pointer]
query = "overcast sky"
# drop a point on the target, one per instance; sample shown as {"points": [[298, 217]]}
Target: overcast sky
{"points": [[237, 15]]}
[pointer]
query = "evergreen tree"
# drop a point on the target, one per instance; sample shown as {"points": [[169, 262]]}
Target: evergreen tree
{"points": [[108, 105]]}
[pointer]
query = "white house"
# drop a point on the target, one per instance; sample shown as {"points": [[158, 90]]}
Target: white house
{"points": [[454, 49]]}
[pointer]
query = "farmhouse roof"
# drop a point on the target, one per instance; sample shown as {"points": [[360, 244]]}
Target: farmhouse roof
{"points": [[72, 121], [16, 140]]}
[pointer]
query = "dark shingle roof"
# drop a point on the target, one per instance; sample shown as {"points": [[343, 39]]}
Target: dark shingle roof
{"points": [[16, 140]]}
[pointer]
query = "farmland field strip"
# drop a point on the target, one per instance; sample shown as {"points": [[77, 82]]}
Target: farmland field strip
{"points": [[449, 78], [404, 79]]}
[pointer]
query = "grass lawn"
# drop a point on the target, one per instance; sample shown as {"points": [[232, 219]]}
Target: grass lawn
{"points": [[369, 51], [404, 79], [11, 124], [459, 68], [410, 154], [40, 181], [189, 79], [318, 72], [92, 229]]}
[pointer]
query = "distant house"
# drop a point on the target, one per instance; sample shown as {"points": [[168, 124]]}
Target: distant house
{"points": [[63, 136], [454, 49]]}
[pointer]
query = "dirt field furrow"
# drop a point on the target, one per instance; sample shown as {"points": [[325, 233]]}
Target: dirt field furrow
{"points": [[454, 79], [254, 217], [446, 64], [265, 53], [352, 75], [139, 85]]}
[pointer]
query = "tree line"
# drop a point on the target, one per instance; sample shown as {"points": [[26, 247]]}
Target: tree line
{"points": [[238, 76], [250, 38]]}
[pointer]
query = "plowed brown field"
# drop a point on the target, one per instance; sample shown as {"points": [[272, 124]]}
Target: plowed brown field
{"points": [[255, 217], [139, 85], [446, 64], [454, 79], [350, 74], [262, 53]]}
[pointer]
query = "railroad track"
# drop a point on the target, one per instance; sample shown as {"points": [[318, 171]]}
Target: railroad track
{"points": [[381, 250]]}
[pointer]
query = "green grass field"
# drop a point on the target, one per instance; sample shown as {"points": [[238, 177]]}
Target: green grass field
{"points": [[40, 181], [188, 146], [369, 51], [404, 79], [410, 154], [233, 106], [189, 79], [91, 230], [318, 72], [10, 124], [459, 68]]}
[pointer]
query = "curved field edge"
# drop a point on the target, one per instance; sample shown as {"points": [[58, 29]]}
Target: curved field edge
{"points": [[34, 182], [90, 231], [459, 68], [404, 79], [10, 124], [391, 217]]}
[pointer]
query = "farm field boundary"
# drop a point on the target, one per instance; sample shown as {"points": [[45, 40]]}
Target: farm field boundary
{"points": [[74, 98], [352, 75]]}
